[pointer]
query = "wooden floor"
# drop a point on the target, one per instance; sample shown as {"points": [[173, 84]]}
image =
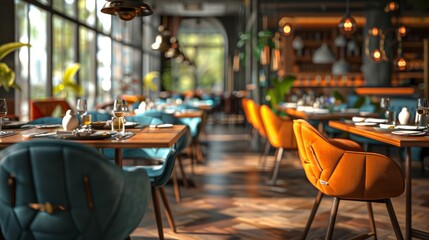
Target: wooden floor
{"points": [[231, 199]]}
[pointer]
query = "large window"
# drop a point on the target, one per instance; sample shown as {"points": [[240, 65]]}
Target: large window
{"points": [[203, 42], [63, 32]]}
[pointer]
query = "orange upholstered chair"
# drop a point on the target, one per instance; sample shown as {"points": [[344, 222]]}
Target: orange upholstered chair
{"points": [[46, 107], [339, 169], [279, 133], [256, 120]]}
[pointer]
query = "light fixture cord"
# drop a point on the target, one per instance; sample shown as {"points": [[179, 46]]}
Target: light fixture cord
{"points": [[347, 8]]}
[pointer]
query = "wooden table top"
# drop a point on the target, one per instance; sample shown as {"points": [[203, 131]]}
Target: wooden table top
{"points": [[382, 136], [143, 138], [189, 114], [324, 116]]}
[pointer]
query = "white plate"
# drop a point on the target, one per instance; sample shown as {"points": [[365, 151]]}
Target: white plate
{"points": [[387, 126], [410, 127], [365, 124], [408, 133]]}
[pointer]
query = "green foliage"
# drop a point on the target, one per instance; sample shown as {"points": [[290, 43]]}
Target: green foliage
{"points": [[338, 96], [280, 87], [167, 77], [68, 84], [7, 75]]}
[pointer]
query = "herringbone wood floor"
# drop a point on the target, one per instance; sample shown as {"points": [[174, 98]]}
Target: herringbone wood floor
{"points": [[231, 199]]}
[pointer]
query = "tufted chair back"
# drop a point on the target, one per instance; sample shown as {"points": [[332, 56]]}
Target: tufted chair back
{"points": [[57, 190], [338, 172], [337, 168], [255, 116], [279, 131]]}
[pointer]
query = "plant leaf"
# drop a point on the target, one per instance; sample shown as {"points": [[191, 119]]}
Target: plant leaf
{"points": [[7, 48], [70, 72]]}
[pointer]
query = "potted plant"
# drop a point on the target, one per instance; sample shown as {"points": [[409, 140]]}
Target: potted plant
{"points": [[7, 75], [280, 86], [68, 84]]}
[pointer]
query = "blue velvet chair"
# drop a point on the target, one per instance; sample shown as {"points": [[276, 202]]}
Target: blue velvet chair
{"points": [[159, 164], [182, 144], [100, 115], [46, 120], [45, 193]]}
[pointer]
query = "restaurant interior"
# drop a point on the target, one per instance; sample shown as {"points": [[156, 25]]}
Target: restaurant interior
{"points": [[214, 119]]}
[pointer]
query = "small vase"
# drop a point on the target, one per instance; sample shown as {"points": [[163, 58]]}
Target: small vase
{"points": [[404, 116], [70, 121]]}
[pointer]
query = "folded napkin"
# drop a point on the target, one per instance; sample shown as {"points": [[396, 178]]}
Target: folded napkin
{"points": [[369, 120]]}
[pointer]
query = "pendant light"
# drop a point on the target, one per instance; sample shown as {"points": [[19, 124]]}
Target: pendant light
{"points": [[236, 61], [162, 40], [264, 57], [126, 10], [275, 53], [347, 24]]}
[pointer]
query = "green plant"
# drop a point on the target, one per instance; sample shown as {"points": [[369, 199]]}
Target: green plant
{"points": [[149, 85], [280, 87], [68, 84], [7, 75]]}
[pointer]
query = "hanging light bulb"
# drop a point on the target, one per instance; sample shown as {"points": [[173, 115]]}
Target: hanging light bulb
{"points": [[162, 40], [173, 51], [374, 31], [347, 24], [287, 29], [402, 30], [376, 54], [264, 57], [401, 64], [391, 6]]}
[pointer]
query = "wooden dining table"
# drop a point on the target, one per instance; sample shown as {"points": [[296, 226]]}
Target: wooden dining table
{"points": [[145, 137], [398, 141], [323, 117]]}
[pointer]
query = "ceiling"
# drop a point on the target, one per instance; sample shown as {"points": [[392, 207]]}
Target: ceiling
{"points": [[213, 8]]}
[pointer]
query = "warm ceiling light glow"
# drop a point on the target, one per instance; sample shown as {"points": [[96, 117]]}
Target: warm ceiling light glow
{"points": [[287, 29], [347, 24], [374, 31], [377, 55], [401, 64], [126, 9], [402, 30], [391, 6]]}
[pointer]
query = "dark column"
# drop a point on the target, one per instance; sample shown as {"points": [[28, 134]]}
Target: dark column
{"points": [[376, 73], [7, 30]]}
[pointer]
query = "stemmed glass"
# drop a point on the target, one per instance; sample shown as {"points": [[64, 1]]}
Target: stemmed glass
{"points": [[119, 111], [384, 104], [82, 109], [3, 112], [422, 112]]}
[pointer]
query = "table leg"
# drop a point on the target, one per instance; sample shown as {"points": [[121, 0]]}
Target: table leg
{"points": [[408, 193], [118, 156]]}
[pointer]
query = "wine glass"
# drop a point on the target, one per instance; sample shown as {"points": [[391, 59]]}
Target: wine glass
{"points": [[422, 112], [3, 112], [82, 109], [119, 111], [384, 104]]}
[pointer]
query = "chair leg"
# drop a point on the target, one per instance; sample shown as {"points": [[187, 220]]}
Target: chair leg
{"points": [[264, 154], [312, 214], [332, 218], [156, 208], [182, 171], [371, 220], [277, 166], [167, 209], [393, 218], [176, 187]]}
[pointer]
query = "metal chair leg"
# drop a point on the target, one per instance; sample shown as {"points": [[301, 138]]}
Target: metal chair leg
{"points": [[393, 218], [332, 218], [176, 187], [312, 214], [277, 166], [371, 220], [156, 208], [167, 209], [263, 156]]}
